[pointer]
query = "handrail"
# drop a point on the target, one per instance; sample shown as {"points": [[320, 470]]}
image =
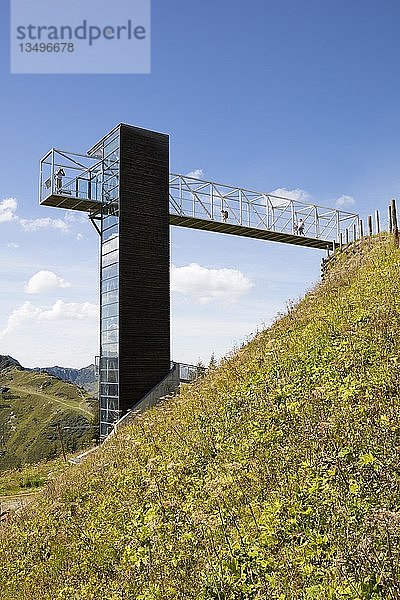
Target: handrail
{"points": [[195, 201]]}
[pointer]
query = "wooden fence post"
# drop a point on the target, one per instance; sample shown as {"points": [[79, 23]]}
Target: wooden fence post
{"points": [[394, 223], [377, 221], [370, 230]]}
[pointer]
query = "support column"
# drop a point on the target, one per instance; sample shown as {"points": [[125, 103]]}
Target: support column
{"points": [[144, 263]]}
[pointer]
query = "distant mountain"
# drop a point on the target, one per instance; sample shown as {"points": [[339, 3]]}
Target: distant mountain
{"points": [[8, 361], [85, 377]]}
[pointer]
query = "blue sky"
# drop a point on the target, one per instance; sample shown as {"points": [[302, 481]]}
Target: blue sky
{"points": [[300, 95]]}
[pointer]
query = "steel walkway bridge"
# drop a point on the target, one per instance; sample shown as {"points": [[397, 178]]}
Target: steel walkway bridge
{"points": [[79, 182]]}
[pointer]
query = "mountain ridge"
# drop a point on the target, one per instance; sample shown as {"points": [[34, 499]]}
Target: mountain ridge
{"points": [[7, 361], [84, 377]]}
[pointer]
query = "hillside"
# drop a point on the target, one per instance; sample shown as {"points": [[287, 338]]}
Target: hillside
{"points": [[28, 479], [30, 411], [85, 377], [275, 477]]}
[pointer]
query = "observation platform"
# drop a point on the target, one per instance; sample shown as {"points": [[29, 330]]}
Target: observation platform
{"points": [[75, 182], [71, 203]]}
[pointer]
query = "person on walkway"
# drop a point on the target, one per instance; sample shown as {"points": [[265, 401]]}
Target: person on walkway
{"points": [[59, 179], [224, 215], [300, 227]]}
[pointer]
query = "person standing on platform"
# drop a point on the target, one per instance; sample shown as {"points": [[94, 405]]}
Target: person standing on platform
{"points": [[59, 179]]}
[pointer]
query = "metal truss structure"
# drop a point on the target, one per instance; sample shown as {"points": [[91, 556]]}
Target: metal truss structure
{"points": [[227, 209], [73, 181]]}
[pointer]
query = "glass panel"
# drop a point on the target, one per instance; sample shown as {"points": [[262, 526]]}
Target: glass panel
{"points": [[110, 350], [109, 336], [110, 271], [110, 376], [110, 245], [109, 363], [112, 158], [112, 405], [111, 145], [109, 297], [109, 285], [109, 389], [110, 258], [110, 221], [110, 209], [110, 193], [110, 233], [109, 323], [111, 310], [110, 183], [105, 429], [111, 179]]}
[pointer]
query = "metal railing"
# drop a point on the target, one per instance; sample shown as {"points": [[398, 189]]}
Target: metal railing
{"points": [[169, 385], [189, 373], [190, 197], [70, 175], [83, 177]]}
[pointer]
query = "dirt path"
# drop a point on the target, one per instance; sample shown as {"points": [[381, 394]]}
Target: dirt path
{"points": [[29, 392], [10, 504]]}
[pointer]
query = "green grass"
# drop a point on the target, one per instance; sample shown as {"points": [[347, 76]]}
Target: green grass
{"points": [[277, 476], [30, 477], [30, 412]]}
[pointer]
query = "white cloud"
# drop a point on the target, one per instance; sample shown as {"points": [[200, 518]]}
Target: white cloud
{"points": [[196, 173], [345, 200], [79, 237], [283, 195], [44, 281], [72, 217], [296, 194], [12, 245], [70, 311], [8, 206], [60, 311], [303, 196], [207, 285], [44, 223], [26, 312]]}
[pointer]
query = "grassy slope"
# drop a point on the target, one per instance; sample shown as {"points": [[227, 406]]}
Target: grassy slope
{"points": [[30, 478], [30, 411], [277, 476]]}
